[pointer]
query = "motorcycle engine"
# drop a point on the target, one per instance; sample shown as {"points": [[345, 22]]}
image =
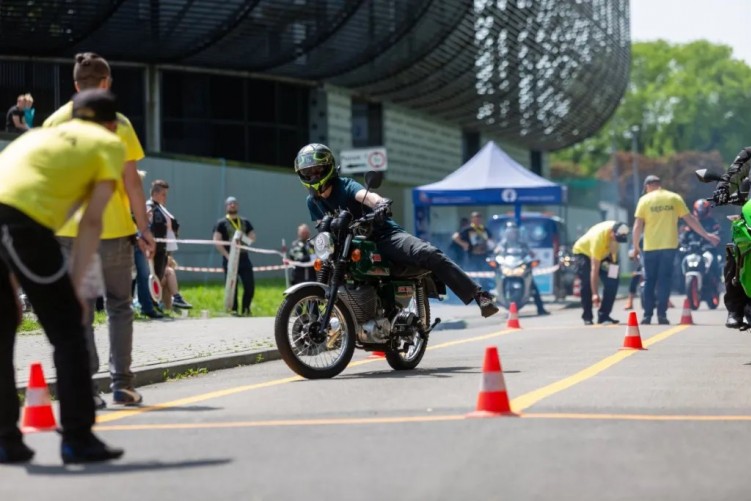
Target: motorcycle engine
{"points": [[362, 299]]}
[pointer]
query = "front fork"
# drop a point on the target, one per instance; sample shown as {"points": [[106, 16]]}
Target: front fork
{"points": [[337, 278]]}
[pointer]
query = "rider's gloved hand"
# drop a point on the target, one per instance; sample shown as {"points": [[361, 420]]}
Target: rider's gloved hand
{"points": [[382, 211], [722, 193]]}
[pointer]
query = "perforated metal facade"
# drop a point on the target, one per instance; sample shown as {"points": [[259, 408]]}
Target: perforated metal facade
{"points": [[541, 73]]}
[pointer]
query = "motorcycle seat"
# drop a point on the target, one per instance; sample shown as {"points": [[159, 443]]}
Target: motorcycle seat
{"points": [[405, 270]]}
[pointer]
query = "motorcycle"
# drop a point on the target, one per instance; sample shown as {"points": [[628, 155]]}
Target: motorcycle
{"points": [[513, 276], [700, 269], [360, 300]]}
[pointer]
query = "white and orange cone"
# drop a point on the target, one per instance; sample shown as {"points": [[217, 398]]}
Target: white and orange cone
{"points": [[686, 318], [492, 400], [37, 411], [377, 354], [632, 341], [513, 317]]}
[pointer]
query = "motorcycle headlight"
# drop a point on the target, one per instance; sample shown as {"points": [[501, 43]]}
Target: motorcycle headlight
{"points": [[324, 245], [514, 272]]}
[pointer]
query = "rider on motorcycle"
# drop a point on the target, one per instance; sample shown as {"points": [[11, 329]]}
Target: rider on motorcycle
{"points": [[511, 238], [317, 169], [598, 244], [703, 211], [735, 298]]}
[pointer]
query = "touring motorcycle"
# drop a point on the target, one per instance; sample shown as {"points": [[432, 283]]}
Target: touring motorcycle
{"points": [[360, 300], [513, 276]]}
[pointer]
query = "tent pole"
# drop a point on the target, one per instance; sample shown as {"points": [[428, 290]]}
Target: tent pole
{"points": [[518, 213]]}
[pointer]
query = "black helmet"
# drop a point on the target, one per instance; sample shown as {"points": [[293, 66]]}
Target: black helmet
{"points": [[316, 166], [702, 208]]}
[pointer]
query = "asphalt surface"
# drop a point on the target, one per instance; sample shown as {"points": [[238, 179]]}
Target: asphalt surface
{"points": [[595, 422]]}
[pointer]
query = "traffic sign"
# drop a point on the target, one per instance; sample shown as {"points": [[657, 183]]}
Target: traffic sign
{"points": [[363, 160]]}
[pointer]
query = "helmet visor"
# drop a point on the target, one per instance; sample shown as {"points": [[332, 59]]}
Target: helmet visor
{"points": [[313, 174]]}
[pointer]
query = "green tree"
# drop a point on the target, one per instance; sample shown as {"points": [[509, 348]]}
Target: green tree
{"points": [[684, 97]]}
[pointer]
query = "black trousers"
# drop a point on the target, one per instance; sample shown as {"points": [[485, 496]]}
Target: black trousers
{"points": [[245, 275], [610, 288], [735, 297], [59, 313], [402, 247]]}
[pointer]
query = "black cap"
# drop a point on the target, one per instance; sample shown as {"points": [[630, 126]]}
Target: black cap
{"points": [[95, 105]]}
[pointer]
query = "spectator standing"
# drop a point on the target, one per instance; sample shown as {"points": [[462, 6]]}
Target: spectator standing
{"points": [[43, 176], [455, 251], [301, 250], [224, 229], [657, 215], [29, 110], [164, 225], [91, 71], [15, 120], [475, 240], [597, 246]]}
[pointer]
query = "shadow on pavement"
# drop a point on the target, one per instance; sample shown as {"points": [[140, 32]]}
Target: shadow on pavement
{"points": [[440, 372], [121, 467]]}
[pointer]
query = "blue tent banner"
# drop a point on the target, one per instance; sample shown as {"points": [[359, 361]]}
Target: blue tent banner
{"points": [[491, 177]]}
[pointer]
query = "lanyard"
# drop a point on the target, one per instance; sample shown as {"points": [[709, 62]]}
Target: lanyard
{"points": [[236, 225]]}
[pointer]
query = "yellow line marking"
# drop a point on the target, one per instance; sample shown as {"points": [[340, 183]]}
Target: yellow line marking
{"points": [[414, 419], [115, 416], [191, 400], [529, 399], [518, 404]]}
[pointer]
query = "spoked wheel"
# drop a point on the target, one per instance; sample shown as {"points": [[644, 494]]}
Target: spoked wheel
{"points": [[309, 349], [693, 293], [412, 349]]}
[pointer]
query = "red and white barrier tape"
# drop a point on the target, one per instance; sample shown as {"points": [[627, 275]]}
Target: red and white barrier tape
{"points": [[535, 272]]}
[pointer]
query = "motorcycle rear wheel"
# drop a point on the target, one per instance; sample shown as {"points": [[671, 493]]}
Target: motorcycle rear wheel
{"points": [[310, 356], [401, 361]]}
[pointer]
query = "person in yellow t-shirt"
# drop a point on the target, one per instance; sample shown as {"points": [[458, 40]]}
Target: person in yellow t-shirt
{"points": [[657, 215], [44, 176], [92, 71], [597, 246]]}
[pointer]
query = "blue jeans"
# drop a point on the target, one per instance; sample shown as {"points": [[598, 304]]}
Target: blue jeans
{"points": [[142, 281], [658, 276]]}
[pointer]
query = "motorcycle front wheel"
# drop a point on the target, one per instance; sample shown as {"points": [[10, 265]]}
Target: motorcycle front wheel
{"points": [[305, 346], [402, 360]]}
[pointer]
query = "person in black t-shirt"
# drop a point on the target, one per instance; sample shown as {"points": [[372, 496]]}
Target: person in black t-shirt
{"points": [[224, 229], [14, 119], [316, 167]]}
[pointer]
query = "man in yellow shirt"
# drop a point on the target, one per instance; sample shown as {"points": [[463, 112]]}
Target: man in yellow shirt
{"points": [[44, 176], [91, 71], [657, 215], [598, 244]]}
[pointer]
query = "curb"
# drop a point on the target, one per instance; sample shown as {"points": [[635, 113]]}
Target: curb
{"points": [[160, 373]]}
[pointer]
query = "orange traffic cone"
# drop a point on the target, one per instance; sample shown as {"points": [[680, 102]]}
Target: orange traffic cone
{"points": [[492, 399], [686, 315], [632, 341], [377, 354], [513, 317], [37, 412]]}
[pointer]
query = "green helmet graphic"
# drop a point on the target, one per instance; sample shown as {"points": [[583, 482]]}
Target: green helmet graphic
{"points": [[316, 166]]}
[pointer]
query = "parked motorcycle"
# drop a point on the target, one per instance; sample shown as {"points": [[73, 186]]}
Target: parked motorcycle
{"points": [[513, 276], [701, 275], [360, 300]]}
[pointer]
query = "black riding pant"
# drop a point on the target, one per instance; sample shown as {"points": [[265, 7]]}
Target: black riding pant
{"points": [[735, 297], [33, 256], [610, 288], [402, 247]]}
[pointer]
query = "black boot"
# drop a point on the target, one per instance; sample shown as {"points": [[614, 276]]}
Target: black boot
{"points": [[87, 449], [13, 450], [734, 321], [486, 303]]}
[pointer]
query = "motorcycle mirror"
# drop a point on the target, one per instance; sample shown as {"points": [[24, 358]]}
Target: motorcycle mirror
{"points": [[708, 176], [373, 179]]}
